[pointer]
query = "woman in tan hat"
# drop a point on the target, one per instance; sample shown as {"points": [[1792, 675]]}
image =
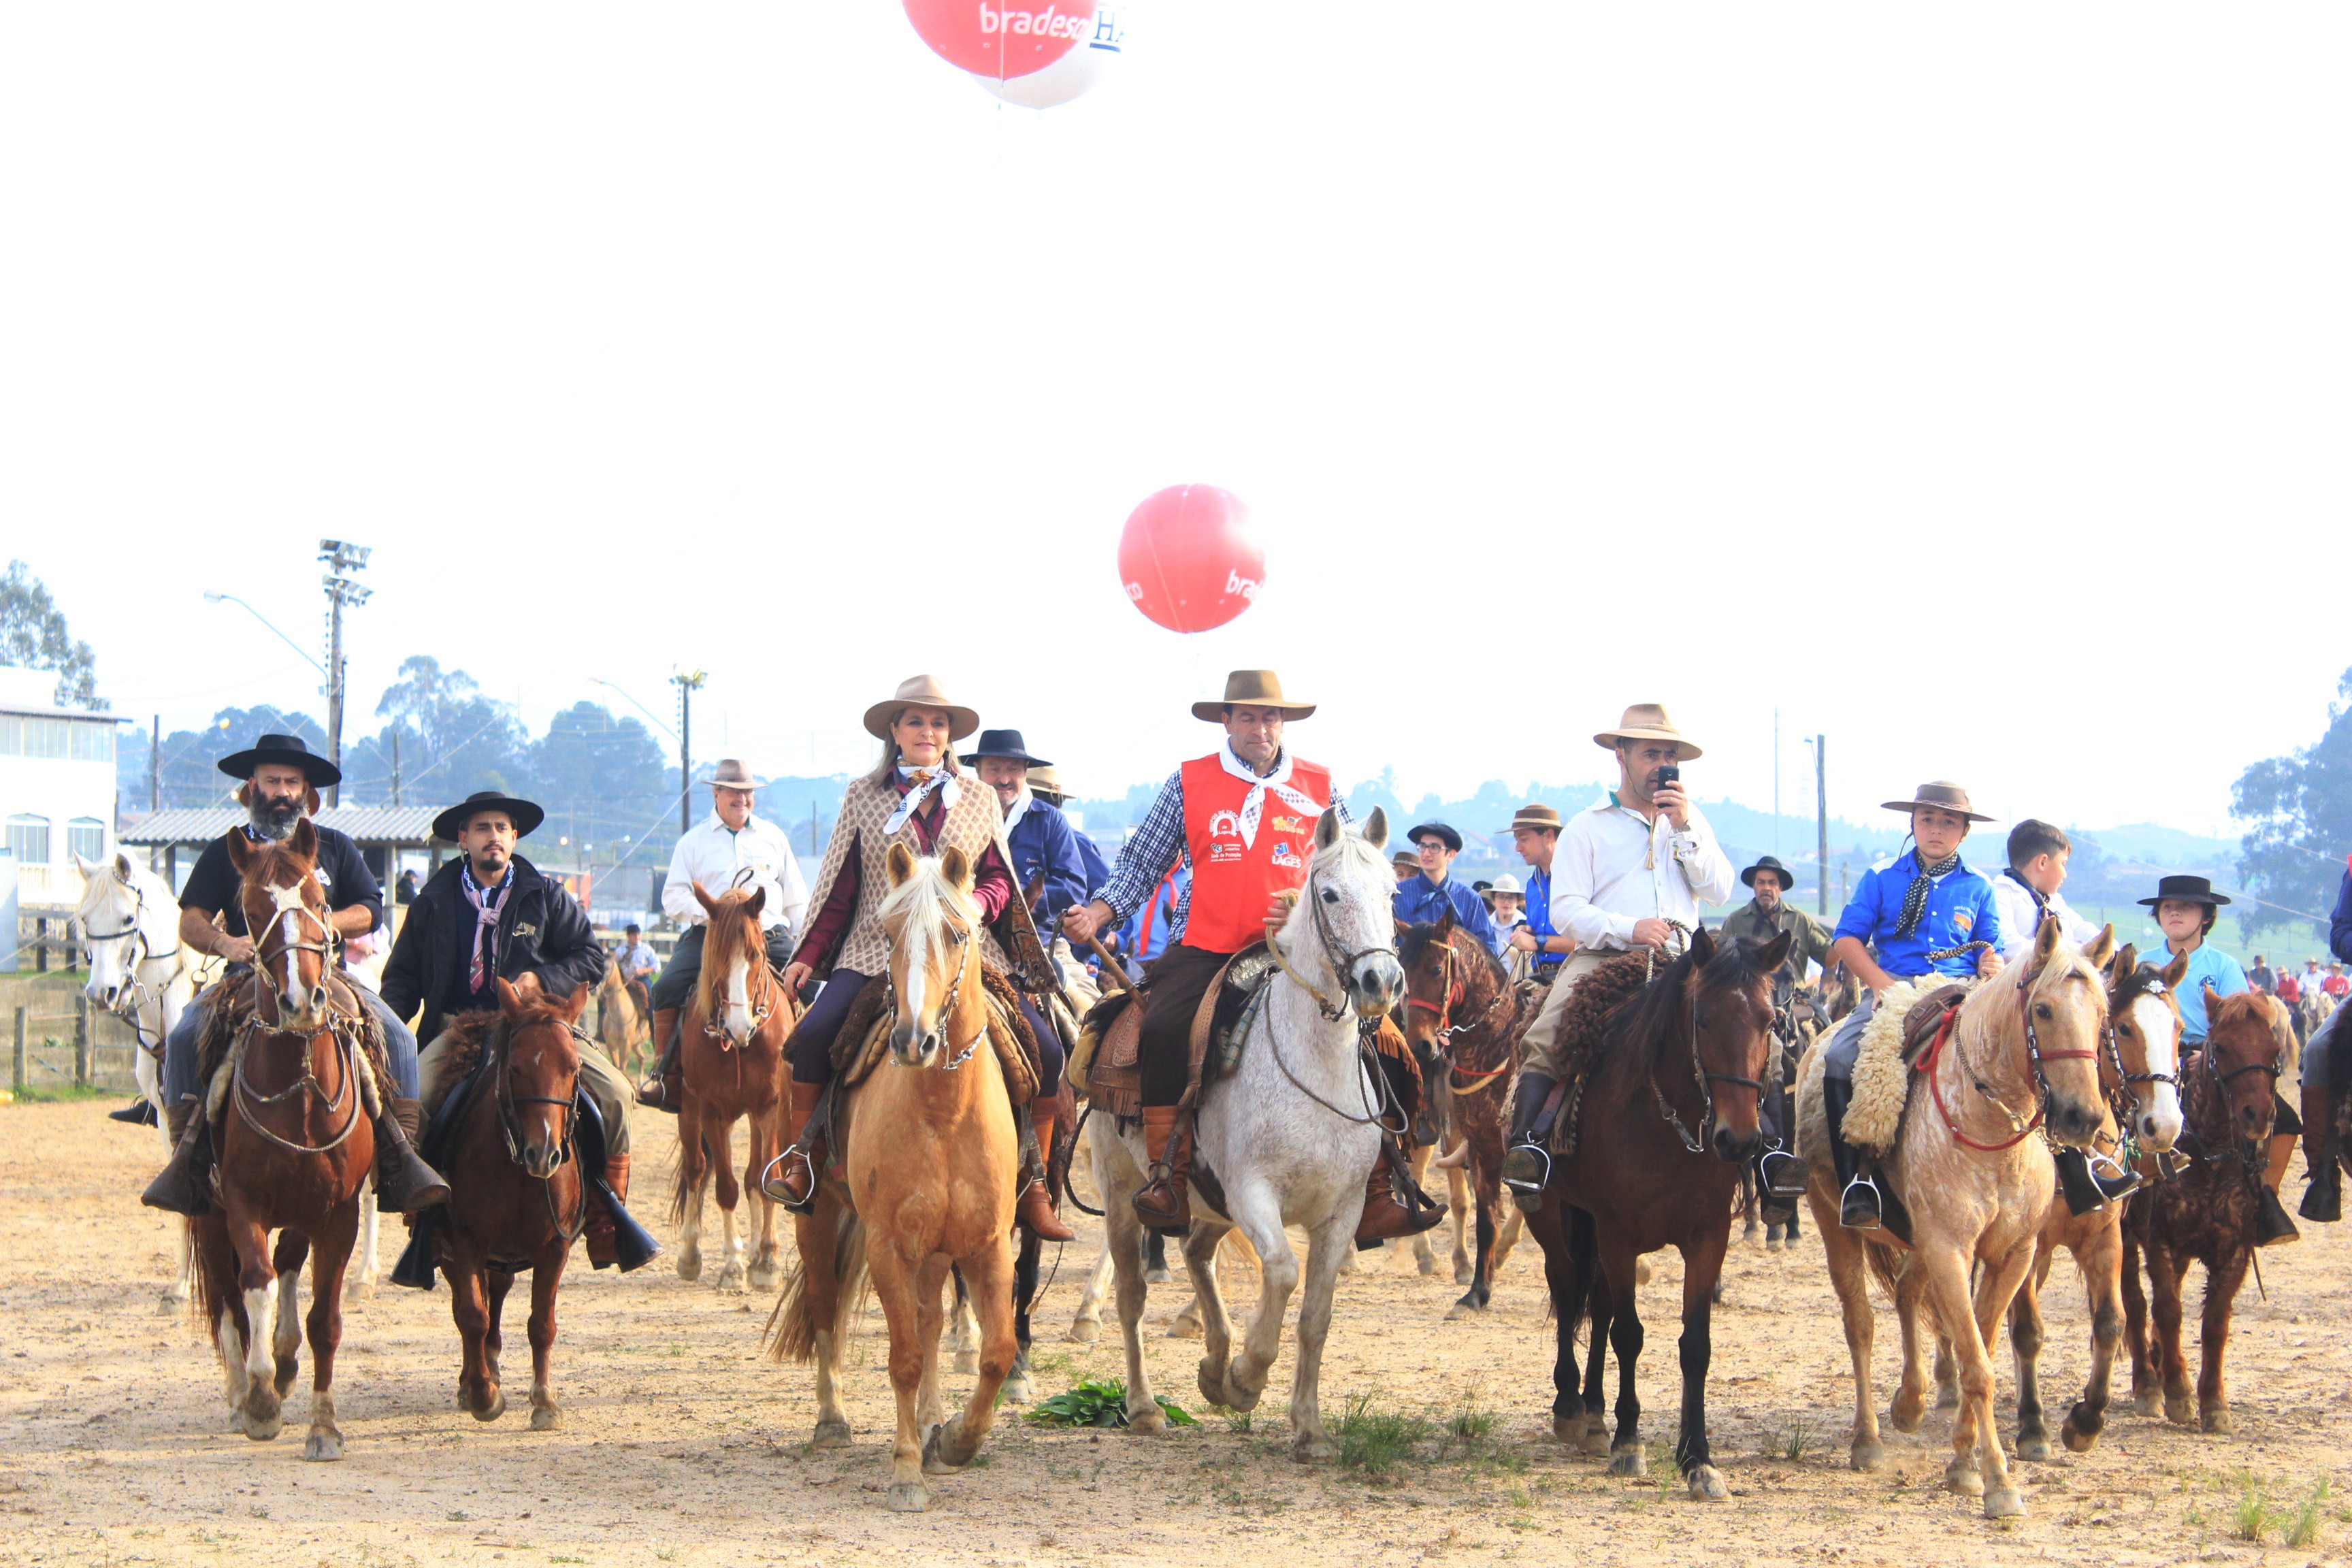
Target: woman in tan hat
{"points": [[918, 796]]}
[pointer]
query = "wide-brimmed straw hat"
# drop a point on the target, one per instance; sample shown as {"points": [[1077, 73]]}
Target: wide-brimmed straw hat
{"points": [[1043, 780], [1507, 883], [1536, 816], [1252, 688], [287, 749], [731, 774], [1938, 795], [920, 691], [1648, 721], [525, 814], [2186, 890]]}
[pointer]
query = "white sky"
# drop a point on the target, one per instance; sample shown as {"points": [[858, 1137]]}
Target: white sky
{"points": [[1970, 383]]}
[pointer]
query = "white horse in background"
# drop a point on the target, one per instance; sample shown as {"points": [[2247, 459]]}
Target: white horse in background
{"points": [[1290, 1138], [138, 972]]}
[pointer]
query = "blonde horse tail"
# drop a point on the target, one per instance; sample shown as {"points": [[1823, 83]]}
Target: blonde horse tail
{"points": [[793, 1326]]}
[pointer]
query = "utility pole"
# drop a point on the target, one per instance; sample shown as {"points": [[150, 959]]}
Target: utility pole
{"points": [[155, 765], [1776, 781], [395, 764], [1822, 815], [689, 683], [342, 589]]}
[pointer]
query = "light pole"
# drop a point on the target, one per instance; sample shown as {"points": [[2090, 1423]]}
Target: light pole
{"points": [[662, 723], [214, 597], [342, 589], [1821, 745], [689, 683]]}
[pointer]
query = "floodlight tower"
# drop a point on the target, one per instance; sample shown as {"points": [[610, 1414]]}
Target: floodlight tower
{"points": [[342, 589], [689, 683]]}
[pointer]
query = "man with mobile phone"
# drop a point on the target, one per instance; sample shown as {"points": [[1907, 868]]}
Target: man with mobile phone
{"points": [[1627, 872]]}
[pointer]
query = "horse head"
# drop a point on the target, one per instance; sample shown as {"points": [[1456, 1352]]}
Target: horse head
{"points": [[732, 944], [2060, 1018], [934, 931], [286, 912], [113, 904], [541, 1076], [2248, 1044], [1727, 988], [1344, 915], [2147, 1024], [1434, 986]]}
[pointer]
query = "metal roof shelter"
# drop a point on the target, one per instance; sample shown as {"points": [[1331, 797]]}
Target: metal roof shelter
{"points": [[378, 830]]}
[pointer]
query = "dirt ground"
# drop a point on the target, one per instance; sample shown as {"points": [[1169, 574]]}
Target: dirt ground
{"points": [[680, 1444]]}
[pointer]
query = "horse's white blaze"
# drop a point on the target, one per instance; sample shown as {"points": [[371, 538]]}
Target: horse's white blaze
{"points": [[738, 1001], [918, 968], [2159, 1115], [257, 1318]]}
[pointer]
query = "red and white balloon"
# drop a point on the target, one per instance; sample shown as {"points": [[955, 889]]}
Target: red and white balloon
{"points": [[1189, 558], [1075, 74], [1001, 39]]}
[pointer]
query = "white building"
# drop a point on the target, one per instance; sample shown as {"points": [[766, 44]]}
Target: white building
{"points": [[57, 785]]}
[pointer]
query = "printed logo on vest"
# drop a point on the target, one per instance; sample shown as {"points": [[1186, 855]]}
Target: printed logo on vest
{"points": [[1284, 856], [1285, 824], [1224, 824], [1220, 853]]}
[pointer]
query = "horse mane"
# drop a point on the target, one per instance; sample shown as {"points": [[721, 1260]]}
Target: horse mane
{"points": [[1651, 1017], [2252, 1005], [1416, 942], [721, 942], [1586, 1019], [922, 895]]}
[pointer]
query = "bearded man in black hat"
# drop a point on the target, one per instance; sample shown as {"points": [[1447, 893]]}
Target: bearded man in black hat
{"points": [[1769, 913], [488, 916], [281, 779]]}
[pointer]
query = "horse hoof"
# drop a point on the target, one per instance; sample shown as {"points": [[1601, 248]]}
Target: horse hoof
{"points": [[1159, 1276], [1594, 1443], [1771, 1243], [1085, 1331], [2217, 1418], [831, 1435], [764, 1277], [1634, 1462], [907, 1497], [966, 1361], [2144, 1404], [546, 1418], [1867, 1456], [1707, 1485], [2035, 1447], [1313, 1447], [2078, 1439], [1465, 1275], [1948, 1396], [1905, 1414], [496, 1408], [1568, 1428], [1017, 1390], [2177, 1410], [2003, 1503], [326, 1445], [1962, 1475], [1147, 1421], [730, 1280], [262, 1428], [1184, 1327], [689, 1266]]}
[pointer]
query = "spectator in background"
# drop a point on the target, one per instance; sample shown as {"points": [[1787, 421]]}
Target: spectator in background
{"points": [[2313, 978], [2335, 984], [2028, 890], [404, 891], [1506, 901], [1485, 892], [637, 960], [1405, 864], [1424, 897], [1535, 833], [2260, 977]]}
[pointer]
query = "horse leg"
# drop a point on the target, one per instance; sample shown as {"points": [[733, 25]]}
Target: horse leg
{"points": [[1425, 1256], [1123, 1254], [470, 1307], [1085, 1328], [255, 1282], [816, 1236], [732, 1271], [1701, 1267], [2164, 1272], [1257, 1214], [2144, 1378], [1309, 1440], [692, 1171], [1019, 1387], [912, 1355], [1977, 1465], [1458, 1193], [2025, 1345], [1751, 1218], [1561, 1282], [184, 1287], [2221, 1285], [361, 1282], [1848, 1278], [932, 1275], [1155, 1259], [1482, 1271], [546, 1276], [210, 1250], [1600, 1311], [330, 1256], [1626, 1456], [967, 1326], [286, 1338], [1514, 1226], [1914, 1317], [990, 1273], [767, 1264], [2100, 1258], [1217, 1326]]}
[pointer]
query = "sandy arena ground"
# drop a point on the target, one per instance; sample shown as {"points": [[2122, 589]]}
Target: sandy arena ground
{"points": [[681, 1444]]}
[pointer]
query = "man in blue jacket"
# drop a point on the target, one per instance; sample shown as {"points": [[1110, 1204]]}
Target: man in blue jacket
{"points": [[1045, 848], [1420, 899], [2324, 1199]]}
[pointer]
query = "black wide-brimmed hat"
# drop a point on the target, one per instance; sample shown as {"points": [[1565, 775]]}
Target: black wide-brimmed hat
{"points": [[525, 815], [287, 749], [1769, 863], [1439, 831], [2186, 890], [1005, 744]]}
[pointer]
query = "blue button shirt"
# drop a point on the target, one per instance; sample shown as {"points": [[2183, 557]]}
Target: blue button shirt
{"points": [[2339, 923], [1043, 843], [2209, 965], [1538, 913], [1960, 909], [1420, 902]]}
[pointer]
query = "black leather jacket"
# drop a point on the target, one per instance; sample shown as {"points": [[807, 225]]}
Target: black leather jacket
{"points": [[542, 931]]}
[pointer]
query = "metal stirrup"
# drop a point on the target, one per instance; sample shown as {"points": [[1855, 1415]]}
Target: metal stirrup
{"points": [[1536, 1149], [773, 1185]]}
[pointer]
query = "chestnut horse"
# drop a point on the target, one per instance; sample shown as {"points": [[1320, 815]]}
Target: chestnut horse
{"points": [[622, 1026], [732, 1058], [1670, 1115], [2206, 1214], [292, 1112], [517, 1196], [930, 1150]]}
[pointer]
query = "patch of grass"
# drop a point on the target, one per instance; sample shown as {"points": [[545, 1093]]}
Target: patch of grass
{"points": [[1471, 1427], [2250, 1518], [1376, 1441], [458, 1516], [1235, 1420], [1100, 1402], [2301, 1527], [1794, 1443], [63, 1093]]}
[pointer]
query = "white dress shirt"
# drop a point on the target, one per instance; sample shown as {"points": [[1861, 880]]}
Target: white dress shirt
{"points": [[2018, 919], [1613, 867], [711, 855]]}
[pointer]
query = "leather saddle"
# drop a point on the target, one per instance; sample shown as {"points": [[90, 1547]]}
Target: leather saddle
{"points": [[1919, 1024], [1111, 1071]]}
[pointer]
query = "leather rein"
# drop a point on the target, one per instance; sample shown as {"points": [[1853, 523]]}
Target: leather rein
{"points": [[342, 1030], [1453, 991], [2034, 1055], [138, 952], [510, 1130]]}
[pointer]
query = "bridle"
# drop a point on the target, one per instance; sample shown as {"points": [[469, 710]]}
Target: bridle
{"points": [[2035, 1055], [960, 944], [342, 1030], [1700, 1075], [510, 1130], [137, 952], [1452, 991], [1343, 961]]}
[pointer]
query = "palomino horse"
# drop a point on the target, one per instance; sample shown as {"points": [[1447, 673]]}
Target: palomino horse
{"points": [[517, 1197], [294, 1139], [930, 1150], [2143, 1056], [1287, 1140], [732, 1060], [622, 1027], [2020, 1056], [138, 972], [2207, 1214], [1461, 1010], [1670, 1116]]}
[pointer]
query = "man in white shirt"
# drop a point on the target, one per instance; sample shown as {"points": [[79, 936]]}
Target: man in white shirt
{"points": [[1628, 873], [728, 844], [2028, 890]]}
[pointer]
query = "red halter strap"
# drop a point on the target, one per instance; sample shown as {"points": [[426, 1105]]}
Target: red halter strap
{"points": [[1927, 1070]]}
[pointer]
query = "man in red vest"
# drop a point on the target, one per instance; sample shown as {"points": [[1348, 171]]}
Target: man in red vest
{"points": [[1246, 815]]}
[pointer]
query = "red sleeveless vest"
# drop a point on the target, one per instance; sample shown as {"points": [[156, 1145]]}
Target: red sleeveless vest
{"points": [[1232, 881]]}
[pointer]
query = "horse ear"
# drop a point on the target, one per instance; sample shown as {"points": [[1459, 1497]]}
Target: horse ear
{"points": [[2176, 972], [1445, 924], [956, 867], [240, 852], [574, 1004], [1376, 830], [311, 802], [122, 865], [1404, 928], [88, 869], [2103, 946], [2045, 942], [1702, 946], [708, 908], [1775, 951], [2125, 960], [509, 999], [756, 903], [1328, 830], [306, 840], [898, 865]]}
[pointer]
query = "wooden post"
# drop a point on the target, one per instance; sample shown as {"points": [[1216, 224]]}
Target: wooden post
{"points": [[40, 947], [81, 1041], [17, 1076]]}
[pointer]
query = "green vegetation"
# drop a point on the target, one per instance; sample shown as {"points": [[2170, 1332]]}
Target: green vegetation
{"points": [[1100, 1402]]}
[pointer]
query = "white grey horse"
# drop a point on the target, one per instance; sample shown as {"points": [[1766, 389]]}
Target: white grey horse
{"points": [[1289, 1139]]}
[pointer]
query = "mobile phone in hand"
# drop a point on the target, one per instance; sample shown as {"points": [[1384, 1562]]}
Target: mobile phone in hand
{"points": [[1672, 773]]}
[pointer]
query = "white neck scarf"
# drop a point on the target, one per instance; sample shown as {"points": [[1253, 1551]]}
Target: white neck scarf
{"points": [[1277, 781], [927, 781], [1018, 809]]}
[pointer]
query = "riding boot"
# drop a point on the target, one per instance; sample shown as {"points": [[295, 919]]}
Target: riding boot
{"points": [[2085, 1191], [401, 1180], [2272, 1227], [1527, 1166], [1160, 1203], [667, 1087], [598, 1230], [1385, 1217], [1780, 1173], [1860, 1201], [2324, 1200], [139, 1112], [184, 1185], [790, 1178], [1035, 1212]]}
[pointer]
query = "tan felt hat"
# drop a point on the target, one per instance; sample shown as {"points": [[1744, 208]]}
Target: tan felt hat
{"points": [[920, 691], [1254, 688], [731, 774], [1647, 722], [1942, 794], [1534, 815]]}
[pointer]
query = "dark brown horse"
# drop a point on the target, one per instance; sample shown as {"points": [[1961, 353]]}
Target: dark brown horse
{"points": [[518, 1197], [1672, 1081], [1462, 1017], [296, 1141], [2207, 1214]]}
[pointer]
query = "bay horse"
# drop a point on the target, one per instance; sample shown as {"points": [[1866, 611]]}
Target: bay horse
{"points": [[2020, 1054], [518, 1198], [622, 1026], [2140, 1071], [2207, 1214], [732, 1060], [1287, 1139], [1464, 1013], [929, 1154], [1670, 1114], [292, 1110]]}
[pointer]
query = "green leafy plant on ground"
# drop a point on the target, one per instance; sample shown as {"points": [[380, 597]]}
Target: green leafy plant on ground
{"points": [[1100, 1402], [1376, 1441]]}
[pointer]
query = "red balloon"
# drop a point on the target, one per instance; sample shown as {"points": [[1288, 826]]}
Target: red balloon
{"points": [[1189, 558], [1001, 39]]}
